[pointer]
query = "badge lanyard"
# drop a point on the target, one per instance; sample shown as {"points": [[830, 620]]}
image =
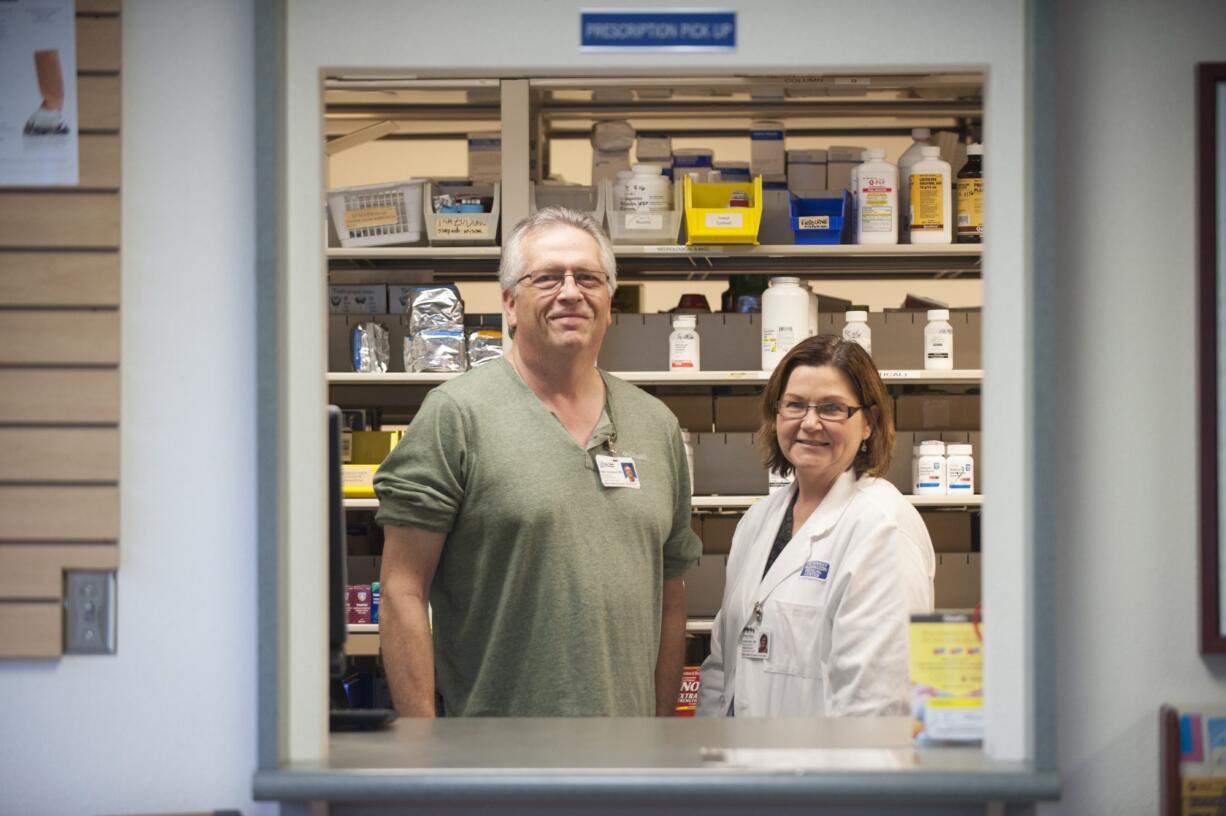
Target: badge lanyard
{"points": [[614, 470]]}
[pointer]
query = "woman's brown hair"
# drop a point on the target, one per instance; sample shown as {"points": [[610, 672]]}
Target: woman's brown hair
{"points": [[858, 368]]}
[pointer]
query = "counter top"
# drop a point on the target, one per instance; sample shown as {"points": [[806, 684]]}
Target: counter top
{"points": [[642, 761]]}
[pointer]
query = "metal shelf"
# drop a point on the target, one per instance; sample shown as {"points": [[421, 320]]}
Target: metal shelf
{"points": [[969, 376], [693, 626], [743, 502]]}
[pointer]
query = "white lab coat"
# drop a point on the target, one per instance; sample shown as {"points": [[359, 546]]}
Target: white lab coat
{"points": [[838, 634]]}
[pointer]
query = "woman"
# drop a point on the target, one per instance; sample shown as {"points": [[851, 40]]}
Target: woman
{"points": [[826, 572]]}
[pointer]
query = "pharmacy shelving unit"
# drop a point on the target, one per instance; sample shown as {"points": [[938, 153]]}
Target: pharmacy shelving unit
{"points": [[440, 762], [680, 378]]}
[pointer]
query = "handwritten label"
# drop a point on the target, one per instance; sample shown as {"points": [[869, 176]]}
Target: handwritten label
{"points": [[370, 217], [725, 220], [813, 222], [644, 221], [460, 226]]}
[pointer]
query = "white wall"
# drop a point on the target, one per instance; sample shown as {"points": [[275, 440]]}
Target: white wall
{"points": [[1125, 325], [168, 724]]}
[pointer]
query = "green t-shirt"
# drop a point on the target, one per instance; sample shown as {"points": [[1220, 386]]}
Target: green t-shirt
{"points": [[547, 597]]}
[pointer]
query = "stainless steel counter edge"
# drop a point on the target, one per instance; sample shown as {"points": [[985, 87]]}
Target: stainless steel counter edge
{"points": [[687, 787]]}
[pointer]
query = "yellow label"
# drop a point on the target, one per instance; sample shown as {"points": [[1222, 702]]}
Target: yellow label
{"points": [[460, 226], [927, 202], [1204, 795], [970, 206], [358, 481], [947, 657], [370, 217], [813, 222]]}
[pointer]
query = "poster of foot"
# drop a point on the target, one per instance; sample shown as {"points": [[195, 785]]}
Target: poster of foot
{"points": [[38, 93]]}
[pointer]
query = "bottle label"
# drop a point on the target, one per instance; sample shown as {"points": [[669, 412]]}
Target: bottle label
{"points": [[683, 352], [970, 206], [876, 211], [859, 333], [778, 340], [962, 478], [927, 202]]}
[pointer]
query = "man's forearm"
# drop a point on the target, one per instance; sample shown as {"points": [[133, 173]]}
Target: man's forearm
{"points": [[671, 658], [408, 654]]}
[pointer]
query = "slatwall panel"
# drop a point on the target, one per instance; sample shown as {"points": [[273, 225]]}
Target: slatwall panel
{"points": [[59, 361]]}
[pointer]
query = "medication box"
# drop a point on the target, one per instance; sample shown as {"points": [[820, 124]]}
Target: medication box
{"points": [[937, 412], [485, 157], [766, 143], [717, 533], [704, 586]]}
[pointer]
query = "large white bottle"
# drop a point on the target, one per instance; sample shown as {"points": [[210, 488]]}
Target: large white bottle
{"points": [[921, 137], [931, 219], [785, 319], [877, 189], [855, 198]]}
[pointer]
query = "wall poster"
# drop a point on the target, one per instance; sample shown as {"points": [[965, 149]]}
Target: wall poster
{"points": [[38, 93]]}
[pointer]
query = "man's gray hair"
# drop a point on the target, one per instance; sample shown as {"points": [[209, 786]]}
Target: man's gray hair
{"points": [[511, 269]]}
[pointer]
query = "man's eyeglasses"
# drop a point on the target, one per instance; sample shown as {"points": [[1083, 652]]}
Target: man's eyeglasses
{"points": [[828, 411], [550, 280]]}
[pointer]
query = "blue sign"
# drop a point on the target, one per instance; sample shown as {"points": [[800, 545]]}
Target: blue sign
{"points": [[657, 30]]}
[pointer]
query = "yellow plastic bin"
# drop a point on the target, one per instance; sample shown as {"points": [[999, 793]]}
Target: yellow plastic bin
{"points": [[709, 219]]}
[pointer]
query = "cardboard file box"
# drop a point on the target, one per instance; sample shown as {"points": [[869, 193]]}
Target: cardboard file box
{"points": [[950, 531], [637, 342], [738, 412], [957, 580], [731, 341], [899, 473], [728, 465], [693, 411], [717, 533], [937, 412], [704, 586]]}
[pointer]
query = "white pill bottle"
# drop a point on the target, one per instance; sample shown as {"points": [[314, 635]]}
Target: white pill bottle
{"points": [[856, 329], [683, 344], [785, 319], [877, 193], [960, 470], [930, 469], [938, 341]]}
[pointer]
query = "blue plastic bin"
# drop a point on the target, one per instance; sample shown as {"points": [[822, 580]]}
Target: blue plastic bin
{"points": [[821, 219]]}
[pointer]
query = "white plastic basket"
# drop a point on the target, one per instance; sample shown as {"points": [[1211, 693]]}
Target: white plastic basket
{"points": [[632, 227], [586, 199], [462, 229], [377, 214]]}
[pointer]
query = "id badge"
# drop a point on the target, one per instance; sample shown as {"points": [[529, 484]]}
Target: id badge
{"points": [[618, 471], [755, 643]]}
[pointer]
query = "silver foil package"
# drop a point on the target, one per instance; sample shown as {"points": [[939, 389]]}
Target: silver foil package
{"points": [[435, 307], [440, 350], [370, 347], [484, 345]]}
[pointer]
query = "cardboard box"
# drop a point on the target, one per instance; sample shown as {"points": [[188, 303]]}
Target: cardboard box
{"points": [[937, 412], [693, 411], [704, 586], [728, 464], [358, 299], [653, 147], [607, 163], [957, 580], [806, 171], [950, 531], [717, 533], [738, 412], [839, 161]]}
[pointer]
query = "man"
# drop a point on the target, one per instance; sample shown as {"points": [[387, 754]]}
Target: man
{"points": [[556, 590]]}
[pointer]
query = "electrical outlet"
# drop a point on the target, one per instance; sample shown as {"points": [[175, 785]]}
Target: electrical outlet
{"points": [[89, 612]]}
